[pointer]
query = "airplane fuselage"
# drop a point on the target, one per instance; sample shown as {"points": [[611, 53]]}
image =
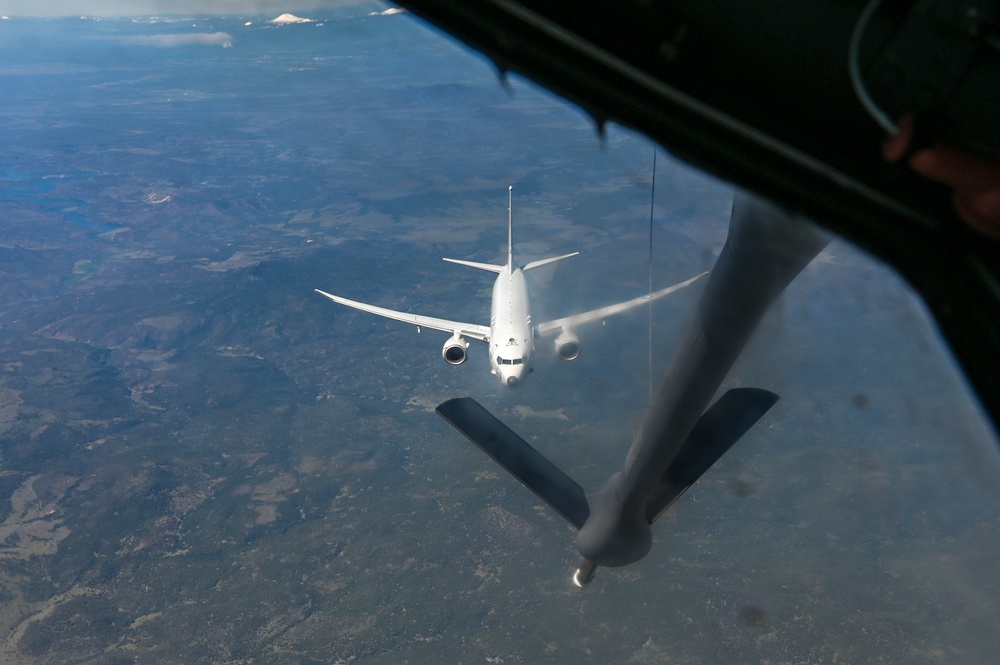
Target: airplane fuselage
{"points": [[512, 345]]}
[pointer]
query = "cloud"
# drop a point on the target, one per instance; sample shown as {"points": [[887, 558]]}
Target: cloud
{"points": [[197, 39], [49, 8]]}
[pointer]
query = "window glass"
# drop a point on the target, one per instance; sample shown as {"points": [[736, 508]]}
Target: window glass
{"points": [[203, 457]]}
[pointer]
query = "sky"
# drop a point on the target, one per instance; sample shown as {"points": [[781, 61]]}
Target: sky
{"points": [[51, 8]]}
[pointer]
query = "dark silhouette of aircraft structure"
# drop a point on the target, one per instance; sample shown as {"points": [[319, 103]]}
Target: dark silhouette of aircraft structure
{"points": [[798, 118]]}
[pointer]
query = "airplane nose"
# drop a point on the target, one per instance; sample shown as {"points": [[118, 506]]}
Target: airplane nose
{"points": [[513, 381]]}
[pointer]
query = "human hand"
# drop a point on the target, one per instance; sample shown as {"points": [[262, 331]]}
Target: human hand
{"points": [[975, 181]]}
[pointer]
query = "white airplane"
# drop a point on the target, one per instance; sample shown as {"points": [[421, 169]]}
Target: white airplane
{"points": [[511, 334]]}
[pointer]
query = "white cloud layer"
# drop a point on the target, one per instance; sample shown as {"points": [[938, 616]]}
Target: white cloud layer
{"points": [[197, 39], [50, 8]]}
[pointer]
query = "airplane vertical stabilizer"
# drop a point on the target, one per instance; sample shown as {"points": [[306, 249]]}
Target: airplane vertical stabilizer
{"points": [[510, 228], [492, 267]]}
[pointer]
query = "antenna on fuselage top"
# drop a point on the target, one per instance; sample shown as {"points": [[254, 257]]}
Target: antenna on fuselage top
{"points": [[649, 306], [510, 228]]}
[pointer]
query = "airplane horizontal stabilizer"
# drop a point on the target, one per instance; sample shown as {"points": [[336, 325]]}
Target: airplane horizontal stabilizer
{"points": [[513, 453], [475, 264], [545, 262], [715, 432]]}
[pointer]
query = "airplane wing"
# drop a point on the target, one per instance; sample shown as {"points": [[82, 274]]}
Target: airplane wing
{"points": [[472, 330], [551, 327]]}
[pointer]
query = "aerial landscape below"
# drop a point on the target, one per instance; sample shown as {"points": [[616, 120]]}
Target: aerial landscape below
{"points": [[203, 461]]}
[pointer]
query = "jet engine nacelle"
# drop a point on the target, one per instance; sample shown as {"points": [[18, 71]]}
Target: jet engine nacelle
{"points": [[568, 345], [455, 350]]}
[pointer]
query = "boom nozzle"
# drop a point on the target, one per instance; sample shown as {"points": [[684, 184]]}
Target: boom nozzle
{"points": [[585, 573]]}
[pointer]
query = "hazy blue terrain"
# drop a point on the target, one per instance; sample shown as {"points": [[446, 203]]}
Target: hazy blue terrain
{"points": [[203, 461]]}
